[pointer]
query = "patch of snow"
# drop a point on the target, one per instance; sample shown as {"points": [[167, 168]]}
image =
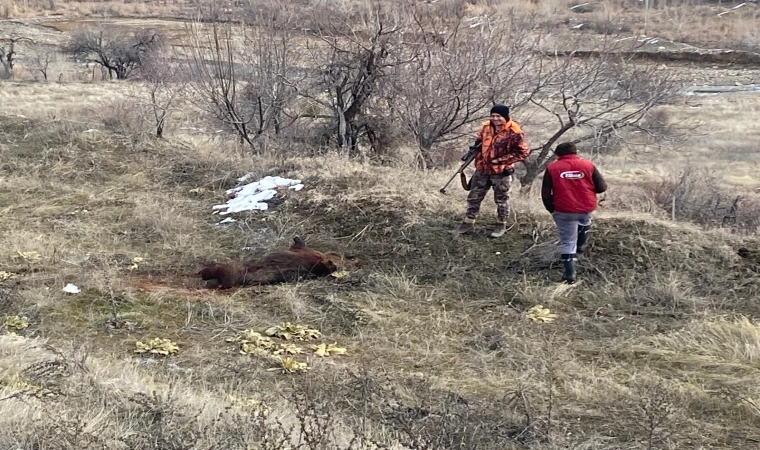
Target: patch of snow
{"points": [[245, 178], [91, 130], [173, 367], [201, 130], [227, 220], [253, 196], [71, 289]]}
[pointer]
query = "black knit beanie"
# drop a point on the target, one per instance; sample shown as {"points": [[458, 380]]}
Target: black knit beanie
{"points": [[501, 110], [565, 148]]}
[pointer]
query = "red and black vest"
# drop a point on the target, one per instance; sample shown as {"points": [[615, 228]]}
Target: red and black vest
{"points": [[572, 184]]}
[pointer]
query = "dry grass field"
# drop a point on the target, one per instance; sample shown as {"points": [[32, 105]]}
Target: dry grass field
{"points": [[657, 346]]}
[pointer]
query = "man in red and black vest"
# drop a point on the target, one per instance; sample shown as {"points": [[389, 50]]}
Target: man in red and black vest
{"points": [[569, 193]]}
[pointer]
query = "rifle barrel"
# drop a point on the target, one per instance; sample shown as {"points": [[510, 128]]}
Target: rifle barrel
{"points": [[443, 189], [466, 160]]}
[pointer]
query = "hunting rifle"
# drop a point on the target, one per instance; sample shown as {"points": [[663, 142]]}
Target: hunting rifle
{"points": [[466, 160]]}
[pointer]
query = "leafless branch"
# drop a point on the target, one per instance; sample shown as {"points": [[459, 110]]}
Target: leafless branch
{"points": [[454, 72], [603, 94], [240, 74], [121, 53]]}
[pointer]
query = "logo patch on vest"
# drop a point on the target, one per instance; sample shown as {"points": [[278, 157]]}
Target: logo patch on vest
{"points": [[572, 175]]}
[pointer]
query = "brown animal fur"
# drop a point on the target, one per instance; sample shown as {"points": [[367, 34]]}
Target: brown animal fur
{"points": [[297, 262]]}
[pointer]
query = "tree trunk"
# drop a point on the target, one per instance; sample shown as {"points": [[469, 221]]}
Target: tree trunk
{"points": [[343, 139], [425, 155], [160, 129], [536, 165], [527, 180], [7, 72], [278, 121]]}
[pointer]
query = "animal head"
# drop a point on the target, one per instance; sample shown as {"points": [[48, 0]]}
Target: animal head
{"points": [[208, 273], [331, 266], [298, 243], [342, 262]]}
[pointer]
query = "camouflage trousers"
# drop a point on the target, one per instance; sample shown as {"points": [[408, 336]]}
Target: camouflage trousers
{"points": [[479, 186]]}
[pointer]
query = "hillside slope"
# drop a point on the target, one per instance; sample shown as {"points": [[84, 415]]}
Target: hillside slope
{"points": [[657, 347]]}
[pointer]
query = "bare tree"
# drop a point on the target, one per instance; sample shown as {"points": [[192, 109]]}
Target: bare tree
{"points": [[120, 52], [40, 61], [239, 73], [602, 93], [8, 54], [163, 85], [215, 79], [268, 60], [458, 68], [349, 62]]}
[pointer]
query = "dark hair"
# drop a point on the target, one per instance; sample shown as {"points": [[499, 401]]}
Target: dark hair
{"points": [[565, 148]]}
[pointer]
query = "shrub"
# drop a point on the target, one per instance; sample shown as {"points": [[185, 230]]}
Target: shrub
{"points": [[702, 197]]}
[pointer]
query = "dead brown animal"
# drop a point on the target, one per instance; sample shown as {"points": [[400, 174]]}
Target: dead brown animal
{"points": [[297, 262]]}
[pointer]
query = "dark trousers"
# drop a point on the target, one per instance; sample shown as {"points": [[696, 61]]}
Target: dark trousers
{"points": [[479, 186]]}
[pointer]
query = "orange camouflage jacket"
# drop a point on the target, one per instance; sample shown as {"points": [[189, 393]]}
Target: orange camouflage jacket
{"points": [[500, 150]]}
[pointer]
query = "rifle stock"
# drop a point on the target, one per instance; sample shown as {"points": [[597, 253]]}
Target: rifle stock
{"points": [[467, 158]]}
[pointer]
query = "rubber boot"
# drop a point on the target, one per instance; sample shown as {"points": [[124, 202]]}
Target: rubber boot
{"points": [[568, 260], [499, 230], [467, 226], [582, 238]]}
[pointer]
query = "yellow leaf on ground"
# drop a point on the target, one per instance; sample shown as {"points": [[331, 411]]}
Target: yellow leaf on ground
{"points": [[289, 365], [290, 349], [288, 331], [30, 256], [157, 346], [252, 343], [15, 323], [135, 263], [328, 350], [320, 350], [250, 349], [540, 314], [5, 276]]}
